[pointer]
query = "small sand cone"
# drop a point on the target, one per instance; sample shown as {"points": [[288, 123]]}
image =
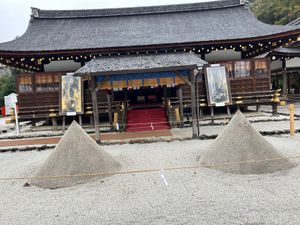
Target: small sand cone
{"points": [[238, 146], [76, 153]]}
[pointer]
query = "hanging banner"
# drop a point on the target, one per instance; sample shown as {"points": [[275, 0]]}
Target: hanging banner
{"points": [[137, 80], [106, 85], [135, 83], [151, 82], [71, 95], [119, 84], [166, 80], [217, 86]]}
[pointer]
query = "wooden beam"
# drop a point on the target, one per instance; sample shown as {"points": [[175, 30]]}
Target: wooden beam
{"points": [[186, 80], [193, 104], [95, 109], [98, 88], [145, 70]]}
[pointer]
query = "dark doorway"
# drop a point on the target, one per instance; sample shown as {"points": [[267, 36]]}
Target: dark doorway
{"points": [[145, 95]]}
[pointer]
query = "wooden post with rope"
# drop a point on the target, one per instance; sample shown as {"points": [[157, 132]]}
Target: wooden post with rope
{"points": [[95, 108], [292, 119]]}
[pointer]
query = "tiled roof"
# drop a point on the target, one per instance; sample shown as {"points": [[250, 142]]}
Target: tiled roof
{"points": [[141, 26], [295, 22], [132, 63]]}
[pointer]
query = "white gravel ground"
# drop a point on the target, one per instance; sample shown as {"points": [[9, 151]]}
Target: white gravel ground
{"points": [[193, 196]]}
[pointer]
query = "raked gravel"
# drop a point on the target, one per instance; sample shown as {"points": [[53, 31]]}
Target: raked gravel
{"points": [[193, 196]]}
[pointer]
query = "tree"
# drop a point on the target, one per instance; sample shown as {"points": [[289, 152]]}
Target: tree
{"points": [[276, 11], [7, 85]]}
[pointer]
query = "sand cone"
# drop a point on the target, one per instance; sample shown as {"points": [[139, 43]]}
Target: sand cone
{"points": [[76, 153], [241, 142]]}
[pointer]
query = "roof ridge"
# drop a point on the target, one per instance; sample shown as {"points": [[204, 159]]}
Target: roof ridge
{"points": [[61, 14], [294, 22]]}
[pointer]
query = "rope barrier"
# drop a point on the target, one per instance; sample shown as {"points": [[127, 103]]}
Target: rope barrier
{"points": [[190, 120], [148, 170]]}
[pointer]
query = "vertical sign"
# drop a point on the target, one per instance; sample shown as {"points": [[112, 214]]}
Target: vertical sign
{"points": [[71, 95], [217, 86]]}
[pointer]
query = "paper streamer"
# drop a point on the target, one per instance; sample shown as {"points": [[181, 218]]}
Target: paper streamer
{"points": [[163, 177]]}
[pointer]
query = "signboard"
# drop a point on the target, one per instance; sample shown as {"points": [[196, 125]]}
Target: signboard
{"points": [[9, 102], [71, 95], [217, 86]]}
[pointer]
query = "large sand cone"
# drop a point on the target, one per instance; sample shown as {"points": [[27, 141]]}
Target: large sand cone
{"points": [[76, 153], [240, 142]]}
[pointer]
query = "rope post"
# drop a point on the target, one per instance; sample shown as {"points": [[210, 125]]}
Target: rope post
{"points": [[116, 119], [177, 115], [95, 108], [292, 121]]}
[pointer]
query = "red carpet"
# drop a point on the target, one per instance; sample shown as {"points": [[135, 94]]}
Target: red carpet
{"points": [[146, 120]]}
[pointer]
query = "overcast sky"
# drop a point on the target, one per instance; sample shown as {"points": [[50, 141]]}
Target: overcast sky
{"points": [[14, 14]]}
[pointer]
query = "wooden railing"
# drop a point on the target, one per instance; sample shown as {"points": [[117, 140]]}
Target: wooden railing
{"points": [[239, 100]]}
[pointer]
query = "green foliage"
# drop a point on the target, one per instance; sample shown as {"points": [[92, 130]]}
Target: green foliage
{"points": [[7, 85], [276, 11]]}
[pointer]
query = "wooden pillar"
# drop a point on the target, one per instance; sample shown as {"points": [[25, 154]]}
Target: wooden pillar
{"points": [[112, 95], [212, 113], [288, 84], [284, 83], [228, 110], [33, 122], [165, 91], [197, 106], [275, 108], [193, 104], [80, 120], [95, 109], [257, 108], [64, 123], [284, 79], [125, 94], [54, 122], [109, 111], [180, 106], [201, 113], [91, 119]]}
